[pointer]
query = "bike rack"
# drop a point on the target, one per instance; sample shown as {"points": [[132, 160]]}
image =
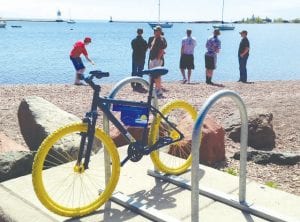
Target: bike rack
{"points": [[196, 147], [240, 204], [120, 198], [213, 194], [112, 95]]}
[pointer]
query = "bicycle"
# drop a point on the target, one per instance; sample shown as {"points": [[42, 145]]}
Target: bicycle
{"points": [[82, 178]]}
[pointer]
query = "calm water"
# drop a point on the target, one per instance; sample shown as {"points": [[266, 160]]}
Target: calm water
{"points": [[39, 52]]}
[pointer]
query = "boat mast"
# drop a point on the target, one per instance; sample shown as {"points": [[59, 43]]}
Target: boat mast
{"points": [[223, 12], [158, 11]]}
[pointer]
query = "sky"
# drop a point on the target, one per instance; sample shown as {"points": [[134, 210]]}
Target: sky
{"points": [[147, 10]]}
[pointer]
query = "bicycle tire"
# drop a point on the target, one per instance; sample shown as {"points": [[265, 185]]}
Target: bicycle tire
{"points": [[66, 189], [167, 159]]}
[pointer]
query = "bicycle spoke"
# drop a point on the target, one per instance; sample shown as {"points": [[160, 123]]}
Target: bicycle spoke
{"points": [[64, 186]]}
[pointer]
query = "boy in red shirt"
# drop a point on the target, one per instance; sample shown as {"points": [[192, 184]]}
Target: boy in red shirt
{"points": [[78, 49]]}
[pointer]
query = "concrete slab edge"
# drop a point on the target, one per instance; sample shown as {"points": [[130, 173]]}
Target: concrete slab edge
{"points": [[225, 198]]}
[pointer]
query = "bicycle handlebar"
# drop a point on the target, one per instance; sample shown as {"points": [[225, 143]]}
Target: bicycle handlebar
{"points": [[99, 74], [96, 73]]}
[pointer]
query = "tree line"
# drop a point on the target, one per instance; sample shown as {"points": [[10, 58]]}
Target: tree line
{"points": [[259, 20]]}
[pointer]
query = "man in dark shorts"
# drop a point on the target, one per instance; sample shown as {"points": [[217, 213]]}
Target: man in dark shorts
{"points": [[188, 44], [139, 47], [213, 46], [78, 49], [243, 55]]}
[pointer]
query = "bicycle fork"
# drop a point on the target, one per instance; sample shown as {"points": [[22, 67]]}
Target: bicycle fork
{"points": [[87, 139]]}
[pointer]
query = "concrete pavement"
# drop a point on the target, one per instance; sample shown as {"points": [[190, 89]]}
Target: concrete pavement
{"points": [[19, 203]]}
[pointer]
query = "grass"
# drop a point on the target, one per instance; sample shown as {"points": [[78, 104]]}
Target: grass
{"points": [[231, 171], [271, 184]]}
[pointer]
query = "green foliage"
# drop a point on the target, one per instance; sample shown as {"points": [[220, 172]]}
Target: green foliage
{"points": [[297, 20], [258, 20], [271, 184], [231, 171], [278, 20], [253, 20]]}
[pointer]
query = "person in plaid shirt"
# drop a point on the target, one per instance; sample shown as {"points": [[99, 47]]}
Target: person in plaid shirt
{"points": [[213, 46]]}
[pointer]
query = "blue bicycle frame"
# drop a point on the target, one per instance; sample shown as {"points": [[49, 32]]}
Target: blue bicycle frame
{"points": [[136, 149]]}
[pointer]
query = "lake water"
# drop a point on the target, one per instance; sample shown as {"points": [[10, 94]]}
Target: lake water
{"points": [[39, 52]]}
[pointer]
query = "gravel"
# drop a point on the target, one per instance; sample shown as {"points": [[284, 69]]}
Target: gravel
{"points": [[282, 98]]}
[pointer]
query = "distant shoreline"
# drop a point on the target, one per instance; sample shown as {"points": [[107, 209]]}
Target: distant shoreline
{"points": [[130, 21], [168, 82], [116, 21], [33, 20]]}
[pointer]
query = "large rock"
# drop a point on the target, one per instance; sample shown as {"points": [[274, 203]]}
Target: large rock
{"points": [[260, 129], [7, 144], [120, 140], [212, 145], [38, 118], [15, 164]]}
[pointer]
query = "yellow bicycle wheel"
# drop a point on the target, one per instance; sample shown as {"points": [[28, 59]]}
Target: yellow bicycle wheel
{"points": [[65, 187], [174, 158]]}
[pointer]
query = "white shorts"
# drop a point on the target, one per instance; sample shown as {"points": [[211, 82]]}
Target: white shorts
{"points": [[155, 63]]}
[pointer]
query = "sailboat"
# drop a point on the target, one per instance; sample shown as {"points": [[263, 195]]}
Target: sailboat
{"points": [[161, 24], [223, 26], [2, 24], [70, 21]]}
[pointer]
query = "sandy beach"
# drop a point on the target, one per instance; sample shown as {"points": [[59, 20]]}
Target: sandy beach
{"points": [[281, 98]]}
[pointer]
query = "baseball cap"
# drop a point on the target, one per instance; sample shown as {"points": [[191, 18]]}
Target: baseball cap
{"points": [[157, 28], [87, 39], [244, 32], [217, 32]]}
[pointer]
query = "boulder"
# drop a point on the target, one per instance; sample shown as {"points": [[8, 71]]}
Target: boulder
{"points": [[120, 140], [212, 144], [212, 147], [38, 118], [7, 144], [15, 164], [261, 135]]}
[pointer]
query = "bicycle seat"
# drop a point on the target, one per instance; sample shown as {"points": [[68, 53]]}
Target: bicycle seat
{"points": [[155, 71], [99, 74]]}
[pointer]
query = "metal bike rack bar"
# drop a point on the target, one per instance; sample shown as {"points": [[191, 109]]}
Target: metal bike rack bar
{"points": [[112, 95], [225, 198], [118, 197], [222, 197], [196, 147]]}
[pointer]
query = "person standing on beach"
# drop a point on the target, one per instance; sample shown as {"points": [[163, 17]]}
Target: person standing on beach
{"points": [[188, 45], [157, 45], [78, 49], [139, 48], [213, 46], [243, 55]]}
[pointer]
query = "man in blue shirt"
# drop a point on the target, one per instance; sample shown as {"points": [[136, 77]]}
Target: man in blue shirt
{"points": [[213, 46]]}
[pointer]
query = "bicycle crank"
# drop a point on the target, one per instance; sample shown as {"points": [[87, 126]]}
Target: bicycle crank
{"points": [[135, 152]]}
